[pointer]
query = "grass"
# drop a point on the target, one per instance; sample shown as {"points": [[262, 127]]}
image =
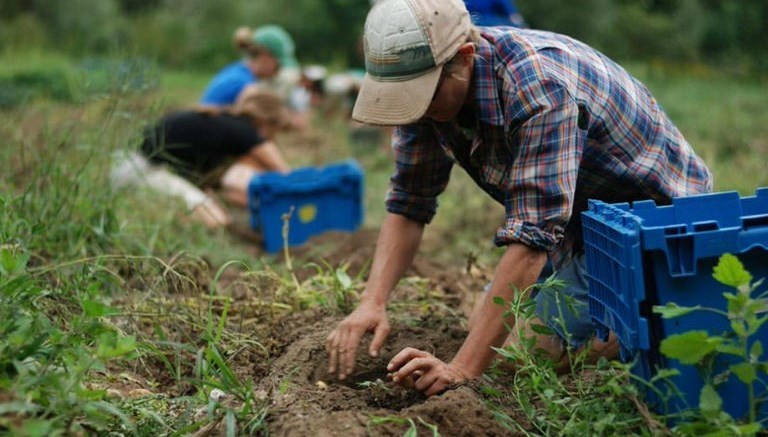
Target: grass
{"points": [[102, 287], [724, 118]]}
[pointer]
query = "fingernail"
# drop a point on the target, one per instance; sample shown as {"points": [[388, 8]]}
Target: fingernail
{"points": [[374, 354], [395, 378], [390, 366]]}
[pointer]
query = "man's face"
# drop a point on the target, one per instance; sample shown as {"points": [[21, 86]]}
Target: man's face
{"points": [[451, 93], [263, 64]]}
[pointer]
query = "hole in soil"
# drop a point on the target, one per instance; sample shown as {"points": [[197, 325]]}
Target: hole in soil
{"points": [[363, 380], [379, 392]]}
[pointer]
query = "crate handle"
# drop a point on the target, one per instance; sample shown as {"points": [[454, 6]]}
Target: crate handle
{"points": [[754, 221], [680, 256], [706, 226]]}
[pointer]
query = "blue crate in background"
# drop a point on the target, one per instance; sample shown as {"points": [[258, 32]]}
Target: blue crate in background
{"points": [[650, 255], [318, 199]]}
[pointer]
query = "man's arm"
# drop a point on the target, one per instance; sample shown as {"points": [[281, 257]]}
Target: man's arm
{"points": [[518, 268], [267, 156], [398, 242]]}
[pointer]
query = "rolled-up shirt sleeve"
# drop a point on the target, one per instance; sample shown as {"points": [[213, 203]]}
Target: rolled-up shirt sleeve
{"points": [[546, 143], [422, 170]]}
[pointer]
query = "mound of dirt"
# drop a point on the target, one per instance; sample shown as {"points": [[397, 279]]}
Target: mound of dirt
{"points": [[306, 400]]}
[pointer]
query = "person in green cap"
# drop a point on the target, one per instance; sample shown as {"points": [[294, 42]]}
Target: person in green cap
{"points": [[267, 49]]}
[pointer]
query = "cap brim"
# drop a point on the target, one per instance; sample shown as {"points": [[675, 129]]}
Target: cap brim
{"points": [[395, 103]]}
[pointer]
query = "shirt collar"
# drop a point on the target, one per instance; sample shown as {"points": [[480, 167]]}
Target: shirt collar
{"points": [[486, 86]]}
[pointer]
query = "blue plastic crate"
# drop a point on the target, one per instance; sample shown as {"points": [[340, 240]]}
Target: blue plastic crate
{"points": [[318, 199], [653, 255]]}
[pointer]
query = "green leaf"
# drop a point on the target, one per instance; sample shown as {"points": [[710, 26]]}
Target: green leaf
{"points": [[412, 431], [710, 402], [756, 351], [689, 347], [93, 308], [18, 407], [663, 374], [498, 300], [730, 349], [754, 324], [111, 410], [12, 263], [231, 423], [738, 328], [730, 271], [111, 345], [759, 306], [541, 329], [746, 372], [35, 428], [344, 280], [490, 391], [7, 261], [431, 427], [750, 429], [736, 303], [672, 310]]}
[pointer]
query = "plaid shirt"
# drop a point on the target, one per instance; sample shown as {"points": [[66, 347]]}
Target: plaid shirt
{"points": [[556, 123]]}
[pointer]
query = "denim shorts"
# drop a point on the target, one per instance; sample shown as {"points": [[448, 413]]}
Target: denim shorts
{"points": [[565, 309]]}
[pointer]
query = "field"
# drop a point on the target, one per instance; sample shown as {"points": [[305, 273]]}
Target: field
{"points": [[121, 316]]}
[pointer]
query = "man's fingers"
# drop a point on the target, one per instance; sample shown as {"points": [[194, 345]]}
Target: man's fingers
{"points": [[438, 387], [425, 364], [331, 346], [424, 382], [341, 348], [403, 357], [349, 352], [406, 382], [379, 335]]}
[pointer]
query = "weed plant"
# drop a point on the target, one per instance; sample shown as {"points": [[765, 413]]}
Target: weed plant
{"points": [[740, 348], [45, 364], [70, 254], [589, 400]]}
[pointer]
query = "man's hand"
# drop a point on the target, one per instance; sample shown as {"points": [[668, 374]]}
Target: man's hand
{"points": [[424, 372], [342, 343]]}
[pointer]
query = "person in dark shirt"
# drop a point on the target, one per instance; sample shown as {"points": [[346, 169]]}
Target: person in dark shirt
{"points": [[209, 148]]}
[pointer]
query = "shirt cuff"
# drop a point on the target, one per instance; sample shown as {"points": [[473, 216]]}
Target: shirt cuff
{"points": [[419, 210], [518, 231]]}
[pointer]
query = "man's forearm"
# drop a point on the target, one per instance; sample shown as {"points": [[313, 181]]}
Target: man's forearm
{"points": [[398, 242], [518, 268]]}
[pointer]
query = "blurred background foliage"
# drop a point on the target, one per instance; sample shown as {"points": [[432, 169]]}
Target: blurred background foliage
{"points": [[195, 34]]}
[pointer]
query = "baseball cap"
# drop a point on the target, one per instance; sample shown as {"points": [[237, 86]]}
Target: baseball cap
{"points": [[407, 43], [277, 42]]}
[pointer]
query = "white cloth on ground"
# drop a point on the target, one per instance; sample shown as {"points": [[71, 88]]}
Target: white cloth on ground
{"points": [[130, 168]]}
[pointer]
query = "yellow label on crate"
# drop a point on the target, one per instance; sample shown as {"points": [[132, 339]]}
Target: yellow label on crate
{"points": [[307, 213]]}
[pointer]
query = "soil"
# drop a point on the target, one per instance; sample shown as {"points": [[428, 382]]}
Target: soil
{"points": [[306, 400], [289, 368]]}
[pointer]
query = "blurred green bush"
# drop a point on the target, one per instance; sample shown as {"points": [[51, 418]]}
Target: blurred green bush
{"points": [[196, 33]]}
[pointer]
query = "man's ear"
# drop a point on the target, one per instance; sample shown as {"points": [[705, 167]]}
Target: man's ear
{"points": [[467, 51]]}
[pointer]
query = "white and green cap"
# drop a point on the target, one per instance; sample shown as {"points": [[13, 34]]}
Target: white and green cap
{"points": [[407, 43], [277, 42]]}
